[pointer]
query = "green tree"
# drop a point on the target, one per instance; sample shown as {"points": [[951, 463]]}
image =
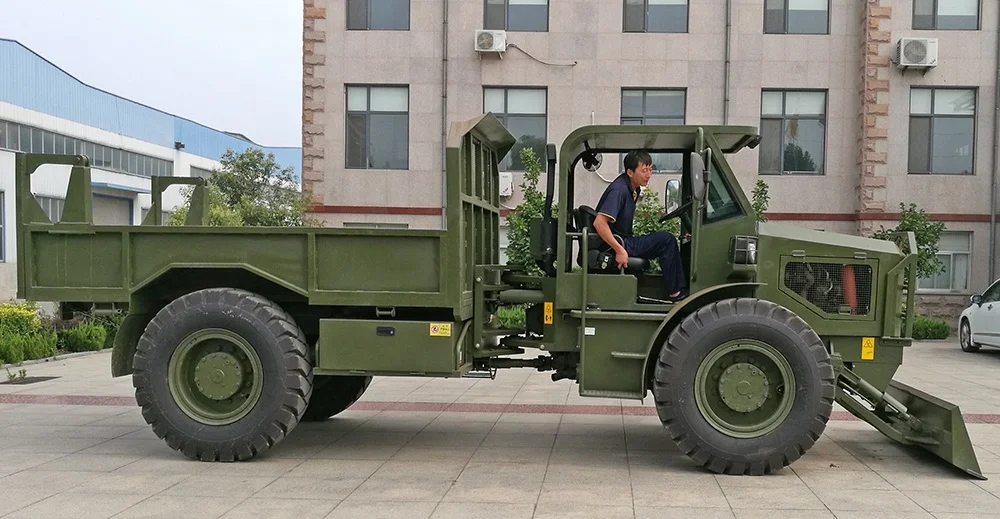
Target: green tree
{"points": [[760, 200], [531, 206], [219, 214], [251, 190], [927, 234], [648, 212]]}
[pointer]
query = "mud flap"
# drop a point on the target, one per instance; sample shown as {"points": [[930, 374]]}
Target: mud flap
{"points": [[911, 417]]}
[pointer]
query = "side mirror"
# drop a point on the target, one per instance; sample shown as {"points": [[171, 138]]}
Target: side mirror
{"points": [[672, 195], [977, 299], [698, 176]]}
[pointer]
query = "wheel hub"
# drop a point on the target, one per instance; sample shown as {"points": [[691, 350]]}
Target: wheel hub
{"points": [[215, 376], [743, 387], [218, 375]]}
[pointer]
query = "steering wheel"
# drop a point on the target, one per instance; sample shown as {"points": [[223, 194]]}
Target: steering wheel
{"points": [[677, 212]]}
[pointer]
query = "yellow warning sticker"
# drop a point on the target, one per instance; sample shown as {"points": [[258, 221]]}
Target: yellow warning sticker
{"points": [[440, 329], [867, 348], [548, 313]]}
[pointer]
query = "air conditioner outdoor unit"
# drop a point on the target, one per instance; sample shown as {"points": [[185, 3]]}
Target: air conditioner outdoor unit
{"points": [[917, 52], [491, 41], [506, 183]]}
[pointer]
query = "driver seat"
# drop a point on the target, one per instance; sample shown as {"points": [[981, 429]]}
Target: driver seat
{"points": [[600, 257]]}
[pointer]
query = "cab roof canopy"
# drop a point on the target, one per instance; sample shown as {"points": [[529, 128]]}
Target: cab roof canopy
{"points": [[654, 138]]}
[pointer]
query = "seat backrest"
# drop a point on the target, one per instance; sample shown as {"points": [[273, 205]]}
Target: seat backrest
{"points": [[585, 218]]}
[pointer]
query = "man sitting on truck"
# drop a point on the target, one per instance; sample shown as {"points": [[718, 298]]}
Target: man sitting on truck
{"points": [[615, 212]]}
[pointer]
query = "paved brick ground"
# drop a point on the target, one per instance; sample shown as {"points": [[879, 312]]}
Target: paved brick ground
{"points": [[518, 446]]}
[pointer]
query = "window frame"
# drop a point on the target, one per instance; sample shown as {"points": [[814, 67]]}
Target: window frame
{"points": [[784, 27], [368, 125], [930, 132], [368, 17], [716, 174], [506, 18], [507, 162], [934, 14], [824, 118], [623, 119], [645, 19], [950, 265]]}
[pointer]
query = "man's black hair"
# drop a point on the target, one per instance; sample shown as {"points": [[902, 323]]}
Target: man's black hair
{"points": [[636, 157]]}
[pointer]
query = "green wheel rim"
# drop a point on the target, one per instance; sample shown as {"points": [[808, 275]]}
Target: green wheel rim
{"points": [[215, 376], [745, 388]]}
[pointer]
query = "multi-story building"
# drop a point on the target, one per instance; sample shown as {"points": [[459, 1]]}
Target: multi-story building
{"points": [[862, 104], [43, 109]]}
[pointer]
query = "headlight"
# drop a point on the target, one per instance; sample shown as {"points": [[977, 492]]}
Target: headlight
{"points": [[743, 250]]}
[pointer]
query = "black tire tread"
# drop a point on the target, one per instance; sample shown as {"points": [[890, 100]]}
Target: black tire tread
{"points": [[298, 375], [334, 394], [680, 338]]}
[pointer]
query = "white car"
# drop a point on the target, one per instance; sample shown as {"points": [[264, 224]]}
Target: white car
{"points": [[979, 324]]}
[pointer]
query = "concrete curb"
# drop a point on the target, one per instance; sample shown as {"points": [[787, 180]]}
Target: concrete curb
{"points": [[54, 359]]}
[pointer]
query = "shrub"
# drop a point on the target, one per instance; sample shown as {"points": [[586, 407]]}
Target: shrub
{"points": [[19, 319], [928, 328], [22, 336], [88, 336], [511, 317], [110, 323]]}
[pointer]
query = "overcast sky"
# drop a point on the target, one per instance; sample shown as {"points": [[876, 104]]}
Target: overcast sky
{"points": [[234, 65]]}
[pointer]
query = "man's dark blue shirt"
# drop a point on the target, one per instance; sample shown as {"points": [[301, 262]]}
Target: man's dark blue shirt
{"points": [[618, 204]]}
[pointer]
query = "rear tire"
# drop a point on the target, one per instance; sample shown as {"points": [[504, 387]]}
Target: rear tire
{"points": [[744, 386], [222, 374], [332, 394]]}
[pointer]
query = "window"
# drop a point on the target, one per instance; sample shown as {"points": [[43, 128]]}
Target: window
{"points": [[656, 107], [378, 15], [378, 132], [522, 111], [942, 130], [3, 221], [992, 294], [19, 137], [517, 15], [719, 201], [954, 251], [946, 15], [796, 16], [655, 16], [793, 128], [52, 207]]}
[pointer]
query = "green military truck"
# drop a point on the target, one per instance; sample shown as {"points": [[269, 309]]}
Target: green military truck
{"points": [[234, 335]]}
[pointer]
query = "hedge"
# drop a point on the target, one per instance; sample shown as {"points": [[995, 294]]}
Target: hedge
{"points": [[928, 328], [24, 335]]}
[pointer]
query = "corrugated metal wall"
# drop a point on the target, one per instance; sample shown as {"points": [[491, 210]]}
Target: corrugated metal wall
{"points": [[29, 81]]}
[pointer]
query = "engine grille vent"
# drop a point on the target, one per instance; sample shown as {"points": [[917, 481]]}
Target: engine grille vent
{"points": [[834, 288]]}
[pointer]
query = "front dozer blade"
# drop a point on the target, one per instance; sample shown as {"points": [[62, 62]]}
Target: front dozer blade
{"points": [[911, 417]]}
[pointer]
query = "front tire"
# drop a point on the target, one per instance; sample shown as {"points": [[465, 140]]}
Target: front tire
{"points": [[222, 374], [965, 338], [744, 386]]}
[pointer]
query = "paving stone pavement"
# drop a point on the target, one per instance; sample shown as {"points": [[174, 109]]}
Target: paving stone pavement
{"points": [[550, 453]]}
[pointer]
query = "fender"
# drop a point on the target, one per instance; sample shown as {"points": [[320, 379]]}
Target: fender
{"points": [[679, 312], [145, 300]]}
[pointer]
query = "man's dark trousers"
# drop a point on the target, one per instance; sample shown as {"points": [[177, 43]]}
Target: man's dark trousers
{"points": [[661, 246]]}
